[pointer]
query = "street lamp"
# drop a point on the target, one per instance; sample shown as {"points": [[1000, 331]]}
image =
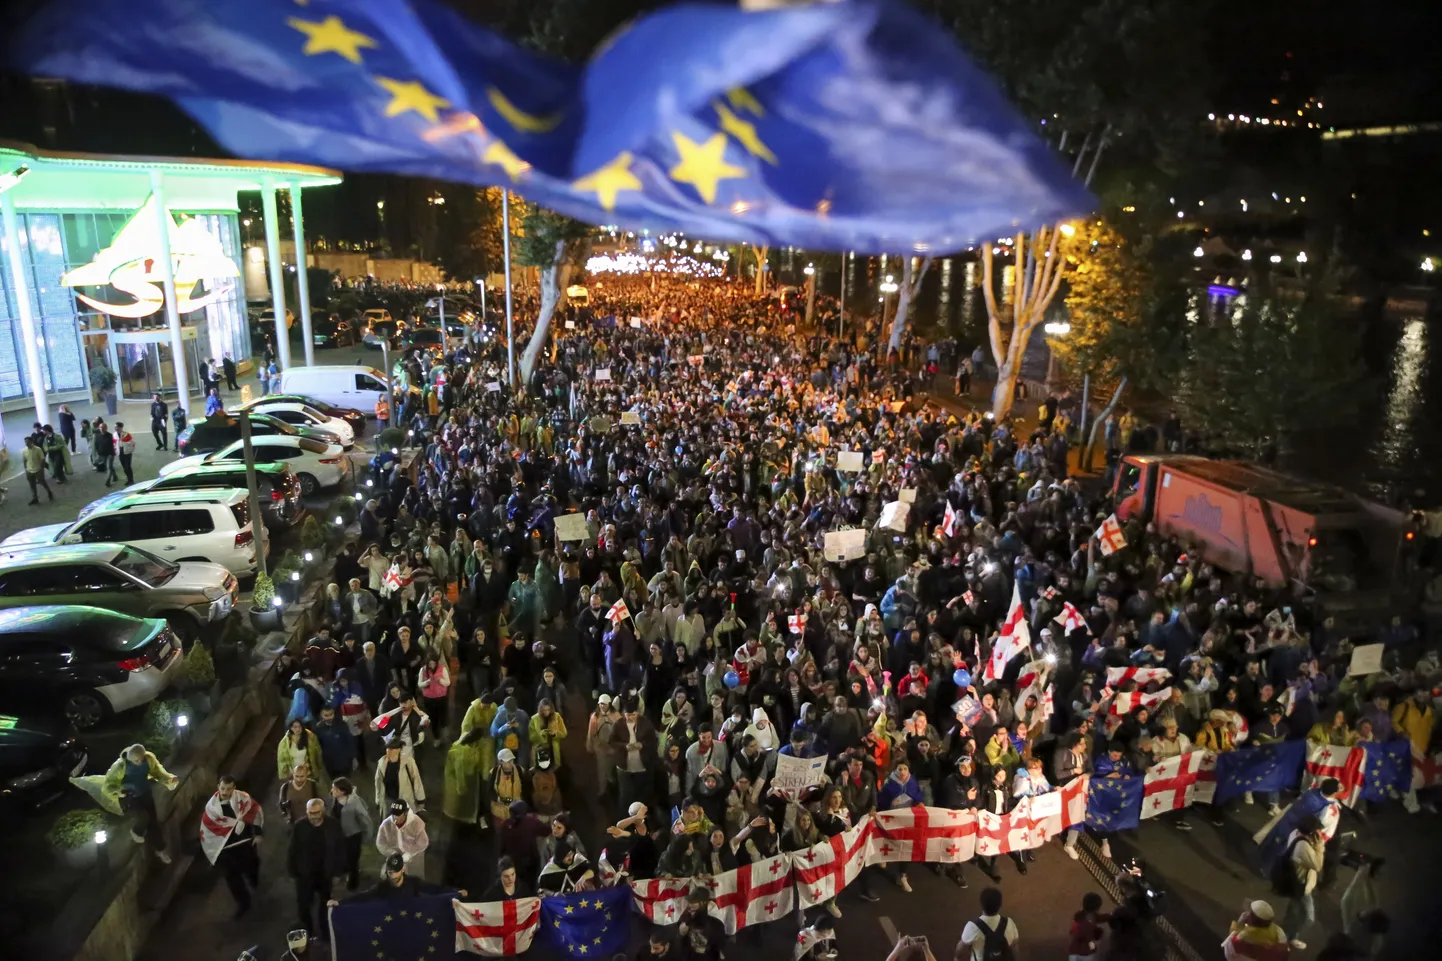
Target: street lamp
{"points": [[1199, 252], [1246, 255], [1428, 265], [887, 288], [1302, 257]]}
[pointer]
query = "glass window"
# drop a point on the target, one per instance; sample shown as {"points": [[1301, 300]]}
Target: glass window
{"points": [[89, 578], [183, 523], [107, 527]]}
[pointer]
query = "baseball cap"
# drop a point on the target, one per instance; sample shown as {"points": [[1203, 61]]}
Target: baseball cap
{"points": [[505, 754], [395, 863], [1262, 911], [604, 699]]}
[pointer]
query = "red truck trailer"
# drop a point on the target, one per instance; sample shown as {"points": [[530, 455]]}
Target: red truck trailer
{"points": [[1284, 530]]}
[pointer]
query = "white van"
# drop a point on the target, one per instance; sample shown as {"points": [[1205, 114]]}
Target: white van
{"points": [[344, 386]]}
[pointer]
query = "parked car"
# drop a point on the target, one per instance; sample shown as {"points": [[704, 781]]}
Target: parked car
{"points": [[121, 578], [300, 416], [430, 337], [38, 756], [388, 331], [203, 525], [355, 418], [346, 385], [277, 485], [213, 433], [326, 331], [317, 465], [84, 662], [376, 315]]}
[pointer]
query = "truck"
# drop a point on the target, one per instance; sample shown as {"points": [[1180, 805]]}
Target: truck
{"points": [[1284, 530]]}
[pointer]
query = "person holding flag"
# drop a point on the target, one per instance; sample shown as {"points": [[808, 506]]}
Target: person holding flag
{"points": [[231, 827]]}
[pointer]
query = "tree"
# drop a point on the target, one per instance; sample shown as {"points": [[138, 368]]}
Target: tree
{"points": [[913, 272], [1280, 364], [1109, 77], [762, 255], [554, 244], [470, 232]]}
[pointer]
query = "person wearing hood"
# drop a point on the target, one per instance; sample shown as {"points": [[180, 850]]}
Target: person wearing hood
{"points": [[511, 730], [567, 870], [762, 730], [900, 790], [404, 833]]}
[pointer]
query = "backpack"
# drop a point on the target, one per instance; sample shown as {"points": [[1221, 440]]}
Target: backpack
{"points": [[1284, 876], [995, 947]]}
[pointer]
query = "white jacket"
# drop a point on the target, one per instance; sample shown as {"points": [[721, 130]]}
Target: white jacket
{"points": [[413, 792], [409, 841]]}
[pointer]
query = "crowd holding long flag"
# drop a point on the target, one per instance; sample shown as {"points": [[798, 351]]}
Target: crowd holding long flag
{"points": [[587, 924]]}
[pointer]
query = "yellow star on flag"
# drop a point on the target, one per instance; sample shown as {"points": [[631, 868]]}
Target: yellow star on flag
{"points": [[745, 133], [331, 35], [411, 95], [570, 909], [582, 949], [610, 180], [741, 99], [584, 903], [703, 165]]}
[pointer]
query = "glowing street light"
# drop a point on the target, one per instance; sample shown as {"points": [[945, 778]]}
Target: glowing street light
{"points": [[1058, 328], [1302, 257], [1246, 255], [809, 270], [1067, 230], [1428, 264], [888, 286], [1199, 252], [1276, 258]]}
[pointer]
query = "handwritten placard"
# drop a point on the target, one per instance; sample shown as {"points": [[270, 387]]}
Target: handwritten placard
{"points": [[630, 417], [845, 545], [570, 325], [603, 373], [907, 495], [1366, 659], [849, 460], [572, 527], [493, 386]]}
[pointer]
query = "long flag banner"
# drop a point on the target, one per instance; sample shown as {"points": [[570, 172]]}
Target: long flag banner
{"points": [[1267, 767], [854, 125], [1179, 782]]}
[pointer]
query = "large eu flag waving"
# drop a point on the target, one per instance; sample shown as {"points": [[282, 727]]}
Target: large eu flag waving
{"points": [[588, 924], [1386, 770], [857, 124], [1114, 804], [1268, 767], [398, 930]]}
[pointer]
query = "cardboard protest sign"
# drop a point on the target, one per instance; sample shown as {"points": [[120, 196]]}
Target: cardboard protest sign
{"points": [[845, 545], [795, 774], [570, 325], [1366, 659], [849, 460], [893, 516], [603, 373], [907, 495], [493, 386], [630, 417], [636, 322], [572, 527]]}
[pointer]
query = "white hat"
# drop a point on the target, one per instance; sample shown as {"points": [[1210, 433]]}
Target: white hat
{"points": [[604, 699], [505, 754], [1262, 911]]}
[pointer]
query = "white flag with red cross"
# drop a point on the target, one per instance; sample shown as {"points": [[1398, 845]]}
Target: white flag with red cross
{"points": [[1071, 619], [1005, 833], [1030, 674], [1054, 812], [1142, 675], [823, 870], [662, 900], [1343, 763], [1110, 537], [497, 928], [797, 623], [948, 523], [1426, 769], [1015, 638], [619, 611], [1179, 782], [753, 894], [929, 834], [1125, 702]]}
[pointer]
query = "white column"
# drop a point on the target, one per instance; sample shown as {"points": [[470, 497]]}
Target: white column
{"points": [[167, 280], [21, 286], [277, 278], [302, 285]]}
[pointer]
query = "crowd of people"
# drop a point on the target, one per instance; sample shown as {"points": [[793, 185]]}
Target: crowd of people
{"points": [[700, 629]]}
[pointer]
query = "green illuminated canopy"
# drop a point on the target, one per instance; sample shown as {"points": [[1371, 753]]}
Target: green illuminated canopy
{"points": [[59, 180]]}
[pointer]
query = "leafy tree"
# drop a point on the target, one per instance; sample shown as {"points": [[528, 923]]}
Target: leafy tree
{"points": [[554, 244], [1282, 363], [1106, 77], [913, 273]]}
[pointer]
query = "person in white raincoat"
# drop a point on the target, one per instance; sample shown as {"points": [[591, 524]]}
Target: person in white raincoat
{"points": [[404, 833]]}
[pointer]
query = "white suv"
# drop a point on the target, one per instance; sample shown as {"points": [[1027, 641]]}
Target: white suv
{"points": [[316, 465], [197, 525]]}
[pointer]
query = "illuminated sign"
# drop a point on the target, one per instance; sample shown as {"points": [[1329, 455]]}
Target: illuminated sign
{"points": [[131, 264]]}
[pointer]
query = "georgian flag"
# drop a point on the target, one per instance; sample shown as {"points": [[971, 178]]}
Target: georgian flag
{"points": [[1015, 638], [1030, 674], [1125, 702], [948, 524], [1071, 619], [797, 623], [1109, 536], [619, 611], [662, 900], [497, 928], [216, 828], [1426, 769], [753, 894], [1179, 782], [1343, 763], [1005, 833], [823, 870], [931, 834], [1142, 675], [1054, 812], [967, 597]]}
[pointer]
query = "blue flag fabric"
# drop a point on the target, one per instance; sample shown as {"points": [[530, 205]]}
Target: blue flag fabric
{"points": [[1386, 770], [854, 125], [590, 924], [1114, 804], [394, 930], [1267, 767]]}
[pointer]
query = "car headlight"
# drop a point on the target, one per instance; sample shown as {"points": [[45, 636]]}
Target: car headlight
{"points": [[31, 779], [216, 593]]}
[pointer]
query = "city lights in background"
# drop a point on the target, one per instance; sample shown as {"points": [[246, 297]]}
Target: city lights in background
{"points": [[635, 264]]}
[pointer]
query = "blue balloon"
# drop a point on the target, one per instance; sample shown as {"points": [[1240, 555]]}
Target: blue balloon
{"points": [[961, 677], [732, 678]]}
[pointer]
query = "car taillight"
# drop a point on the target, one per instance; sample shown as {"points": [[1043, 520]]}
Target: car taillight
{"points": [[133, 664], [243, 538], [330, 460]]}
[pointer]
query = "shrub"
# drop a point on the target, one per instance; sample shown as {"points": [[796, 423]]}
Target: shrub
{"points": [[199, 667], [75, 829], [102, 378], [392, 437], [263, 594], [158, 732], [312, 537], [344, 508]]}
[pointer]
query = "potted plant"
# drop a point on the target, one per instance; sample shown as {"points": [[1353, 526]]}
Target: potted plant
{"points": [[265, 613], [289, 576], [74, 833], [198, 678], [312, 540], [103, 379]]}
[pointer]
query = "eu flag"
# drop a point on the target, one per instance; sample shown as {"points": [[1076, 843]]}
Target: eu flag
{"points": [[856, 125], [1266, 767], [1386, 770], [1114, 804], [400, 930], [588, 924]]}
